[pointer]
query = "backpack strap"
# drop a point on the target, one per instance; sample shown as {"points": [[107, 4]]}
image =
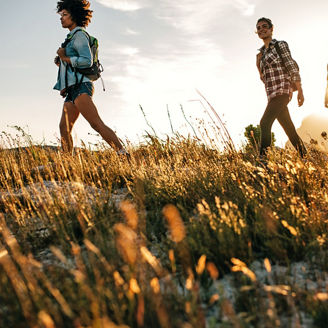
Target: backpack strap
{"points": [[78, 83], [70, 38], [277, 47], [64, 45]]}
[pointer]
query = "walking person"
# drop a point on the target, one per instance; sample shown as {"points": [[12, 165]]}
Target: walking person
{"points": [[77, 88], [280, 75]]}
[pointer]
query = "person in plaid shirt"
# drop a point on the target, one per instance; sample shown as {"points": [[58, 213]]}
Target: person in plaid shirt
{"points": [[280, 75]]}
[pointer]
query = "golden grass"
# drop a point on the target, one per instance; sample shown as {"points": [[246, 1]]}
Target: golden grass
{"points": [[191, 214]]}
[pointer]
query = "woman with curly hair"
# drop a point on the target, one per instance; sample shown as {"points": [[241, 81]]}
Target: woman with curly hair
{"points": [[76, 88]]}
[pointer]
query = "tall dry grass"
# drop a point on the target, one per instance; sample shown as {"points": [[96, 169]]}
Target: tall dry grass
{"points": [[94, 240]]}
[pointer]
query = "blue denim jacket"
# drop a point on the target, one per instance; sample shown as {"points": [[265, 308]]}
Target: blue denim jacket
{"points": [[79, 52]]}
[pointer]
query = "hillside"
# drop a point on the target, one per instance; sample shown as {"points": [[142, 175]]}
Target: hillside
{"points": [[180, 235]]}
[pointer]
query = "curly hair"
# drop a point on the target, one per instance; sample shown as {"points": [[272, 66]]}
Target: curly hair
{"points": [[79, 10]]}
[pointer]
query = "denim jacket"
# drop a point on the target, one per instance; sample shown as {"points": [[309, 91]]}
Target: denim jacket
{"points": [[79, 52]]}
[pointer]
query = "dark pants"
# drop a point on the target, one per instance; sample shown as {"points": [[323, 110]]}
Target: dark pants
{"points": [[277, 109]]}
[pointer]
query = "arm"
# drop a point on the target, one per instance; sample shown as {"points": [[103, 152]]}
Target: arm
{"points": [[289, 62], [82, 47], [292, 69]]}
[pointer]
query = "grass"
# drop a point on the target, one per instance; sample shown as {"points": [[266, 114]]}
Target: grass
{"points": [[72, 256]]}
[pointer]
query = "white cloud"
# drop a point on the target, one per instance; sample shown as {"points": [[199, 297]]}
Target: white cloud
{"points": [[167, 78], [195, 13], [129, 51], [124, 5], [130, 31], [246, 8], [179, 52], [196, 16]]}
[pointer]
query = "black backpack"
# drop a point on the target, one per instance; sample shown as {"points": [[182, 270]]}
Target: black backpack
{"points": [[93, 72]]}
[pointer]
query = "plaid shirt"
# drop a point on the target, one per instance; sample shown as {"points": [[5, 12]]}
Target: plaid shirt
{"points": [[278, 74]]}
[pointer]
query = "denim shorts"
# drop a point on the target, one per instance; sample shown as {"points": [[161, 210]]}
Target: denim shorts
{"points": [[75, 90]]}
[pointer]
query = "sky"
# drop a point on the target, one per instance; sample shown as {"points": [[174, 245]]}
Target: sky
{"points": [[157, 53]]}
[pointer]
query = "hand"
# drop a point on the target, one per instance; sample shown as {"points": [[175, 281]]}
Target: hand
{"points": [[326, 98], [61, 52], [300, 97], [57, 61], [63, 93]]}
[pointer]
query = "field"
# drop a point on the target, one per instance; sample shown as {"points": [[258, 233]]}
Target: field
{"points": [[183, 234]]}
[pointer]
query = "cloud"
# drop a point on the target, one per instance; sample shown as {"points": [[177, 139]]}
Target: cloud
{"points": [[167, 77], [124, 5], [246, 8], [129, 51], [166, 62], [169, 50], [130, 31], [196, 16]]}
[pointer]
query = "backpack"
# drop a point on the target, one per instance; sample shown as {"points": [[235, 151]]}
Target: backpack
{"points": [[93, 72], [277, 47]]}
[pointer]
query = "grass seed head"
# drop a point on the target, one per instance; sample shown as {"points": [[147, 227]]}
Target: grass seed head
{"points": [[130, 214], [176, 225]]}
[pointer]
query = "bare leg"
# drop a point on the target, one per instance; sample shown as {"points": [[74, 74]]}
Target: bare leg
{"points": [[68, 118], [89, 111]]}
